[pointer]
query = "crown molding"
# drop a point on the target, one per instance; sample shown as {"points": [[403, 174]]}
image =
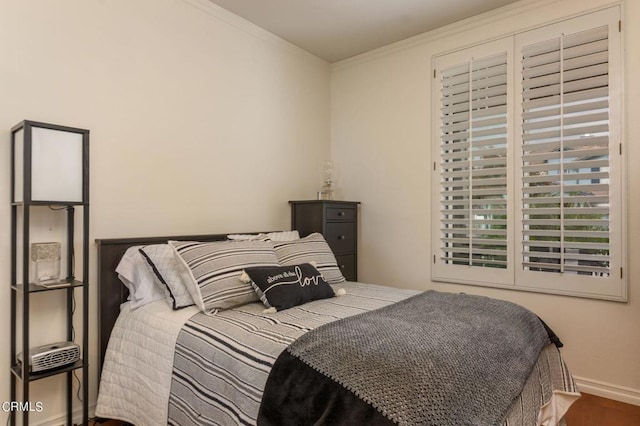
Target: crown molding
{"points": [[251, 29], [505, 12]]}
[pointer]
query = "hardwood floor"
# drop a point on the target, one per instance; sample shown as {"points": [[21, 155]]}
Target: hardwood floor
{"points": [[589, 410]]}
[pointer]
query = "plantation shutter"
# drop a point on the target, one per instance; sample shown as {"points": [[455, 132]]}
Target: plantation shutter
{"points": [[528, 189], [565, 145], [569, 165], [472, 162]]}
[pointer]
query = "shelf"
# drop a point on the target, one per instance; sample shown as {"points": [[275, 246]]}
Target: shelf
{"points": [[28, 213], [49, 203], [17, 371], [35, 288]]}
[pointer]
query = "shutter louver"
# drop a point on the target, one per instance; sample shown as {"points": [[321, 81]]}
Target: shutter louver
{"points": [[473, 155], [565, 155]]}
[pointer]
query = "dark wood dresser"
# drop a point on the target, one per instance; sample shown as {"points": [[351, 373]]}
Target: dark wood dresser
{"points": [[337, 221]]}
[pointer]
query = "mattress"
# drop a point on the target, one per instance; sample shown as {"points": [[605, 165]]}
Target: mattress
{"points": [[183, 367]]}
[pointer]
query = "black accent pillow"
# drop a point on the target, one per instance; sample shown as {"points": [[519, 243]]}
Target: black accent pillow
{"points": [[283, 287]]}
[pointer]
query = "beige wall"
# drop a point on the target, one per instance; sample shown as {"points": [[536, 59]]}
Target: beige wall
{"points": [[381, 132], [200, 122]]}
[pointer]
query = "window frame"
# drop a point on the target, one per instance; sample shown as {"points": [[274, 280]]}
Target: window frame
{"points": [[614, 287]]}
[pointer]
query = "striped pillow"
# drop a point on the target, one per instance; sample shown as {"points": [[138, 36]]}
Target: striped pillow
{"points": [[212, 270], [311, 249]]}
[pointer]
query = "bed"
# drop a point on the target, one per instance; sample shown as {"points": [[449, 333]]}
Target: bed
{"points": [[166, 366]]}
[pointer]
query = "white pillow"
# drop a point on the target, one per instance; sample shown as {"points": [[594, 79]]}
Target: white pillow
{"points": [[161, 260], [271, 236], [138, 278], [284, 236], [248, 237]]}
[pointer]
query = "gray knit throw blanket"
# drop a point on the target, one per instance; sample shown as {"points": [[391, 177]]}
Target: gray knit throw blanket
{"points": [[433, 359]]}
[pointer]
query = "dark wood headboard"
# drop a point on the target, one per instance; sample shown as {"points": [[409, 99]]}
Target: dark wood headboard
{"points": [[111, 292]]}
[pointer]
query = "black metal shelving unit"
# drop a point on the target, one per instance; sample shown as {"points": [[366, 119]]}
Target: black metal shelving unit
{"points": [[21, 223]]}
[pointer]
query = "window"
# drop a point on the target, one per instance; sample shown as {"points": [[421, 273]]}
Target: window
{"points": [[528, 162], [473, 218]]}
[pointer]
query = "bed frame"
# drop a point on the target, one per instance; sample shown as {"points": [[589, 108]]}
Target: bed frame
{"points": [[111, 292]]}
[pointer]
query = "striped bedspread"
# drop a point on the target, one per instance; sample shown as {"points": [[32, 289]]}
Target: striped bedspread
{"points": [[222, 362]]}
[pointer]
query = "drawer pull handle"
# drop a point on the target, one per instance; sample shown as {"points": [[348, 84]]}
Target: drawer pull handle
{"points": [[340, 213], [341, 237], [342, 266]]}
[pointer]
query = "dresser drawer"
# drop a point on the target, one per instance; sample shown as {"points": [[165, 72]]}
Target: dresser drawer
{"points": [[341, 237], [341, 213], [347, 265], [337, 221]]}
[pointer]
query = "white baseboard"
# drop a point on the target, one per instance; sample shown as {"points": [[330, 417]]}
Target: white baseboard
{"points": [[608, 390]]}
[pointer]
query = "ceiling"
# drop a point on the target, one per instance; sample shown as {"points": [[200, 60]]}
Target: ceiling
{"points": [[338, 29]]}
